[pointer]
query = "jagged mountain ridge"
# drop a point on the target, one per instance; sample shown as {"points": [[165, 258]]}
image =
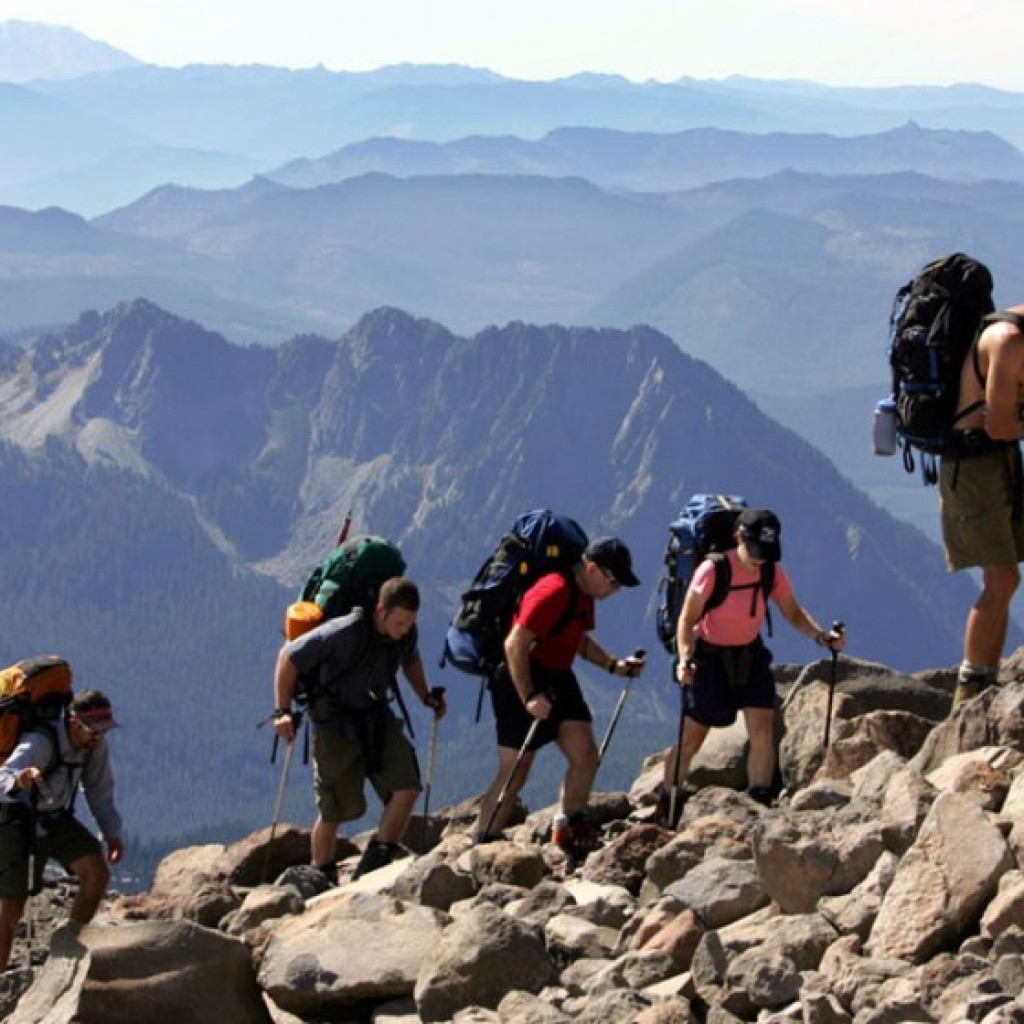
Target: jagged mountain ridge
{"points": [[439, 441]]}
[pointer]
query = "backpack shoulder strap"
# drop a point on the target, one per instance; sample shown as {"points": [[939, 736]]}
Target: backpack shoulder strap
{"points": [[572, 608], [723, 580]]}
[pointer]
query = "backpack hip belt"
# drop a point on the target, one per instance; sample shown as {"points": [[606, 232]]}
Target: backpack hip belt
{"points": [[973, 443], [736, 660]]}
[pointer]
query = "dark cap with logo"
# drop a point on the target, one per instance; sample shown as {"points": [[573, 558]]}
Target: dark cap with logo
{"points": [[762, 533], [612, 555]]}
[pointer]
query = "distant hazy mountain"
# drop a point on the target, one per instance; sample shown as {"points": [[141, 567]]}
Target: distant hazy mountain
{"points": [[260, 117], [645, 162], [29, 51]]}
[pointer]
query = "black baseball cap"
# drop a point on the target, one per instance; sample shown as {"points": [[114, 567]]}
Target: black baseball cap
{"points": [[762, 533], [611, 554]]}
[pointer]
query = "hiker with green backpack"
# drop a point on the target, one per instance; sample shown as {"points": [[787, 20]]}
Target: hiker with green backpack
{"points": [[38, 785], [722, 664], [350, 664]]}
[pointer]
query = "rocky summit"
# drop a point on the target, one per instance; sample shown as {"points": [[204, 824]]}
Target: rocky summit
{"points": [[885, 885]]}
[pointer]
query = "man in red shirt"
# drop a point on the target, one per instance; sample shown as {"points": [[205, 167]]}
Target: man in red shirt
{"points": [[553, 625]]}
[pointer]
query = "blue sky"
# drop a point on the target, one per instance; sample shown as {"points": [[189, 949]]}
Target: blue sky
{"points": [[857, 42]]}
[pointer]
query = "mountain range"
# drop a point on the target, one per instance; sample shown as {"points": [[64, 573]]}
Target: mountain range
{"points": [[757, 276], [96, 129]]}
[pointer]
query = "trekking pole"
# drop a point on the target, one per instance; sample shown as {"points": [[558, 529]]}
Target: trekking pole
{"points": [[438, 692], [503, 792], [638, 653], [837, 627], [345, 527], [674, 791], [278, 803], [33, 801]]}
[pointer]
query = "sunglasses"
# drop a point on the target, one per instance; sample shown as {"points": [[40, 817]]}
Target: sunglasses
{"points": [[612, 581]]}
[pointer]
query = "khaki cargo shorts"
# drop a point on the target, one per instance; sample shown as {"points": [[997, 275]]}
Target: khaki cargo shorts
{"points": [[977, 528], [340, 771]]}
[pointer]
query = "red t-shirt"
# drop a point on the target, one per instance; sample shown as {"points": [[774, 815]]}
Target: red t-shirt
{"points": [[541, 609]]}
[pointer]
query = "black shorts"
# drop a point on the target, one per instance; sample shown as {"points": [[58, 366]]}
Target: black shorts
{"points": [[513, 721], [716, 694]]}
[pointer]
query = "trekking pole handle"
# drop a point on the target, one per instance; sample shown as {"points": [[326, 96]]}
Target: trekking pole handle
{"points": [[640, 654]]}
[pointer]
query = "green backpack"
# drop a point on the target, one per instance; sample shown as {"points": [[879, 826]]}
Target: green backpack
{"points": [[352, 574]]}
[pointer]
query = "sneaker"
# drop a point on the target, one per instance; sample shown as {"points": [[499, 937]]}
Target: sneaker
{"points": [[561, 832], [968, 686], [483, 838], [376, 855], [760, 794]]}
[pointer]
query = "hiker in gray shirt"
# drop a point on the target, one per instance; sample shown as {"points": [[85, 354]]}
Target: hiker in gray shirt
{"points": [[38, 784], [349, 668]]}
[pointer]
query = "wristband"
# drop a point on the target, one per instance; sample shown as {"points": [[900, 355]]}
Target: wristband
{"points": [[282, 712], [821, 639], [533, 694], [689, 665], [612, 666]]}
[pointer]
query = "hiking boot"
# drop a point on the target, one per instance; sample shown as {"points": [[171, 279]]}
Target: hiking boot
{"points": [[761, 794], [483, 838], [561, 832], [969, 685], [585, 837], [376, 855], [329, 873]]}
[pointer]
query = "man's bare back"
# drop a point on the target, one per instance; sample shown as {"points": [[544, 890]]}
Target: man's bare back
{"points": [[1000, 358]]}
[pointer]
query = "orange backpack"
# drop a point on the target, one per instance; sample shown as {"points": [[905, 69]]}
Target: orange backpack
{"points": [[33, 691]]}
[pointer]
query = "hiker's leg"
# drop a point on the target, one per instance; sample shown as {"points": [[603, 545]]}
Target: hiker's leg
{"points": [[11, 911], [323, 841], [694, 734], [394, 819], [989, 618], [339, 775], [576, 741], [761, 759], [93, 877], [506, 759]]}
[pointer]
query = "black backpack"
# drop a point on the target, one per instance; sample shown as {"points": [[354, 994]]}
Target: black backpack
{"points": [[935, 320], [705, 528], [540, 542]]}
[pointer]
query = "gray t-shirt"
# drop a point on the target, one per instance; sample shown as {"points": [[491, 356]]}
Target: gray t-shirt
{"points": [[350, 665]]}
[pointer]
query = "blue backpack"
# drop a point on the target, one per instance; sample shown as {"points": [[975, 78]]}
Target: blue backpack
{"points": [[540, 542], [705, 528]]}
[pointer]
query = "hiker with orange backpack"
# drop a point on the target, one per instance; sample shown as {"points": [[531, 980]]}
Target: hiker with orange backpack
{"points": [[38, 784]]}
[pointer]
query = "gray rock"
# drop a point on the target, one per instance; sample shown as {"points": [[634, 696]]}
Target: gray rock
{"points": [[720, 890], [482, 955]]}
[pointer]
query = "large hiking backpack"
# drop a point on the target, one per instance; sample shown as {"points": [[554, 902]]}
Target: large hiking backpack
{"points": [[934, 322], [705, 528], [33, 693], [352, 574], [540, 542]]}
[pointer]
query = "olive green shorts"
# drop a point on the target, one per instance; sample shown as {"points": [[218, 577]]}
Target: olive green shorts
{"points": [[340, 771], [977, 524], [60, 837]]}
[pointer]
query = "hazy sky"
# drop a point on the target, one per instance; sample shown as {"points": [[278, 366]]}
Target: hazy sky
{"points": [[869, 42]]}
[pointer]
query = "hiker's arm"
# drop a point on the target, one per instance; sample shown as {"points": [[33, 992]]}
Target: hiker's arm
{"points": [[686, 639], [415, 673], [1005, 349], [800, 619], [517, 656], [22, 769], [98, 786], [286, 678]]}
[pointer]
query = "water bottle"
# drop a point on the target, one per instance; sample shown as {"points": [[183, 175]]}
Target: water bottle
{"points": [[883, 437]]}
